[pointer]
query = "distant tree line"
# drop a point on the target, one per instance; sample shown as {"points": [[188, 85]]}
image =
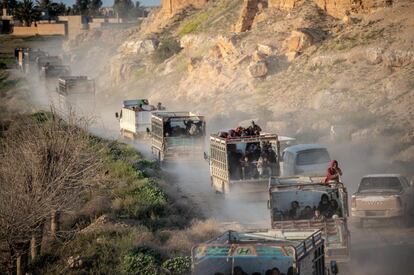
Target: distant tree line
{"points": [[28, 11]]}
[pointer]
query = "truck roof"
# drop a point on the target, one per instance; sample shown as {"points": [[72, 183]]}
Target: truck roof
{"points": [[381, 175], [304, 182], [134, 102], [72, 77], [302, 147], [301, 240], [180, 114]]}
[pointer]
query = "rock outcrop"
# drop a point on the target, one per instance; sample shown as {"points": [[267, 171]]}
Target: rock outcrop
{"points": [[257, 69], [299, 40], [335, 8], [247, 14], [145, 46]]}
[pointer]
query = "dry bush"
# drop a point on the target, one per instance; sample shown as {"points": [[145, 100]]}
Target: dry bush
{"points": [[180, 242], [45, 166]]}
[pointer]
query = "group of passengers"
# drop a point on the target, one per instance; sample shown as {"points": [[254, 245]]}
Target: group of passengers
{"points": [[326, 209], [258, 161], [237, 270], [145, 106], [252, 130], [186, 128]]}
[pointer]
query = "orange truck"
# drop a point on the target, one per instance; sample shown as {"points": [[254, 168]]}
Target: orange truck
{"points": [[382, 197]]}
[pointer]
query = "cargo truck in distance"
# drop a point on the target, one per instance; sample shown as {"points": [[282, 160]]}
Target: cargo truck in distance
{"points": [[26, 58], [382, 197], [76, 92], [177, 135], [262, 252], [233, 162], [135, 117], [304, 203], [54, 71]]}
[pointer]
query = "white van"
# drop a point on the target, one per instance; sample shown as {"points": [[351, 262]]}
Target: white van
{"points": [[305, 159]]}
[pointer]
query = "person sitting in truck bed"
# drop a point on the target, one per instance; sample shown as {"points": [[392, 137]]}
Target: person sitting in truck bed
{"points": [[294, 212], [307, 213], [318, 216], [324, 205], [334, 209]]}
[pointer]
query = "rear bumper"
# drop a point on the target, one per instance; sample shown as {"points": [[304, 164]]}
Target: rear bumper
{"points": [[376, 214], [341, 255]]}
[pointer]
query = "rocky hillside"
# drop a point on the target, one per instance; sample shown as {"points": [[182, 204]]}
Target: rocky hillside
{"points": [[298, 66]]}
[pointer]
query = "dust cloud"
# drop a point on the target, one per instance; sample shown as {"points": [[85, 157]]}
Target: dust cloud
{"points": [[386, 251]]}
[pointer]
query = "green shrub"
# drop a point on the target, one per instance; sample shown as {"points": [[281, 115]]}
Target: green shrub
{"points": [[193, 24], [178, 265], [121, 170], [141, 261], [121, 151], [150, 193], [168, 47]]}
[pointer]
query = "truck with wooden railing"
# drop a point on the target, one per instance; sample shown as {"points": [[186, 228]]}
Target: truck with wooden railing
{"points": [[234, 161], [76, 93], [263, 252], [177, 135], [304, 203]]}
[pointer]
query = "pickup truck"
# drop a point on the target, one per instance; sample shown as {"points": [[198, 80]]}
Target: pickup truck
{"points": [[306, 195], [382, 196]]}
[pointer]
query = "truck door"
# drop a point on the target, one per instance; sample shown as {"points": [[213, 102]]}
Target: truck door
{"points": [[343, 197]]}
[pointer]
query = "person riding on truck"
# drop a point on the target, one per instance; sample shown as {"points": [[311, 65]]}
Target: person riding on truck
{"points": [[333, 173]]}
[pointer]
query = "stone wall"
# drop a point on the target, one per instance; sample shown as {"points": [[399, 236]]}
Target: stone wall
{"points": [[41, 29]]}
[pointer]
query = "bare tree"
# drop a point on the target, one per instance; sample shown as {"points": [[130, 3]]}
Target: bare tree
{"points": [[45, 166]]}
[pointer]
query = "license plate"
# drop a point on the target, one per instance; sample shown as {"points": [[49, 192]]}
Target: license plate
{"points": [[374, 213]]}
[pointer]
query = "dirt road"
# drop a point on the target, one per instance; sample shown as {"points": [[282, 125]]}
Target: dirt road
{"points": [[375, 250]]}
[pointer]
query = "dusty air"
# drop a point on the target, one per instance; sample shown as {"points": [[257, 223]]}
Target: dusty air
{"points": [[208, 137]]}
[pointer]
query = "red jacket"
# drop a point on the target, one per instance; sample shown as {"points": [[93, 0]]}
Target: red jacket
{"points": [[332, 174]]}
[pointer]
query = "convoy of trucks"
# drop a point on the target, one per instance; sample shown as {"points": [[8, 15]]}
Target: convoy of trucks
{"points": [[76, 94], [308, 215]]}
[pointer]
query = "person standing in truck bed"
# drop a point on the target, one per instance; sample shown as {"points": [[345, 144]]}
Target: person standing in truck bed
{"points": [[333, 173]]}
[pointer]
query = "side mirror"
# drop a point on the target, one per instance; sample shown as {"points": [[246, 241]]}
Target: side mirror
{"points": [[116, 115], [268, 204], [206, 158], [334, 267]]}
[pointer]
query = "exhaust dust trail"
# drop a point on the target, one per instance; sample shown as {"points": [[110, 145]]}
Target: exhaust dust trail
{"points": [[378, 250]]}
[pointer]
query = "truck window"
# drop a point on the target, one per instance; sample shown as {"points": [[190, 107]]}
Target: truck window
{"points": [[380, 184], [405, 182], [312, 156]]}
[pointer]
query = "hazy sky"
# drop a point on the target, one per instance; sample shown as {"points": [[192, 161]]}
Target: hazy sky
{"points": [[109, 3]]}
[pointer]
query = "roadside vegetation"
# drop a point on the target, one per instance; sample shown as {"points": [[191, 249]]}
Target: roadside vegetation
{"points": [[76, 204]]}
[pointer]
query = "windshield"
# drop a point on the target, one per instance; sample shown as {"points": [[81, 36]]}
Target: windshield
{"points": [[380, 183], [313, 156]]}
